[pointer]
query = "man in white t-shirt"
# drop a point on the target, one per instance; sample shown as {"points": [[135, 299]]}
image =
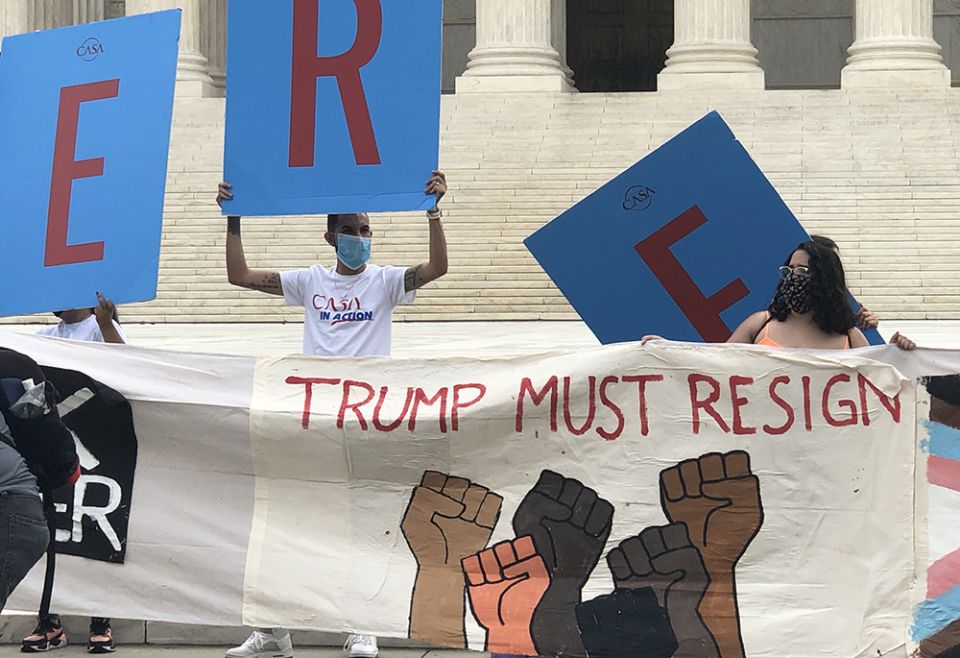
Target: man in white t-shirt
{"points": [[348, 311], [98, 324]]}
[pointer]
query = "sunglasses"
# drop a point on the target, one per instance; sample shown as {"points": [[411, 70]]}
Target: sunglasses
{"points": [[800, 270]]}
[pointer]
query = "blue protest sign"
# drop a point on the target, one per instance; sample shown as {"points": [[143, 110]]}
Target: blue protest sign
{"points": [[685, 244], [332, 106], [85, 117]]}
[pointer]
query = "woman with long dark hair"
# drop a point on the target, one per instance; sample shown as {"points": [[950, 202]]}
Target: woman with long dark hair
{"points": [[811, 307]]}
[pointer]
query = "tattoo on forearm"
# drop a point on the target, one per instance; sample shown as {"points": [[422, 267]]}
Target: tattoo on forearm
{"points": [[269, 283], [233, 226], [413, 279]]}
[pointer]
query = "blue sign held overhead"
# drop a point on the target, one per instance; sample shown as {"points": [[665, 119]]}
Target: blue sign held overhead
{"points": [[85, 116], [332, 105], [685, 244]]}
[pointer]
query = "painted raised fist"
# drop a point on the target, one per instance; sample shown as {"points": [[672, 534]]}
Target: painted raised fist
{"points": [[718, 498], [663, 559], [505, 584], [448, 518], [626, 624], [569, 524]]}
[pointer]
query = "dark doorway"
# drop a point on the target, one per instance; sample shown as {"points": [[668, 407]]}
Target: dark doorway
{"points": [[618, 45]]}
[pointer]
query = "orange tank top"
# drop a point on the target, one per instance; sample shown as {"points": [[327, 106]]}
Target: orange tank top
{"points": [[763, 338]]}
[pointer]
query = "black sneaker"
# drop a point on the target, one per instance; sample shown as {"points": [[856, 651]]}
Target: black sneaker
{"points": [[47, 635], [101, 636]]}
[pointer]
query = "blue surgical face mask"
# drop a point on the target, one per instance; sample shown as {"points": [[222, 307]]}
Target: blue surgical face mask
{"points": [[352, 250]]}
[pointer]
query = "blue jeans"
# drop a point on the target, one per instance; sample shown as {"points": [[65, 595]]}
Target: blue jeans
{"points": [[23, 538]]}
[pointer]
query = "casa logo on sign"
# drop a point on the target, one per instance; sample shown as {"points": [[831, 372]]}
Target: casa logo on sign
{"points": [[638, 197], [90, 49]]}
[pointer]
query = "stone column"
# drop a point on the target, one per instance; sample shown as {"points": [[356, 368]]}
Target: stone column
{"points": [[87, 11], [213, 40], [193, 77], [711, 47], [14, 17], [519, 45], [894, 46]]}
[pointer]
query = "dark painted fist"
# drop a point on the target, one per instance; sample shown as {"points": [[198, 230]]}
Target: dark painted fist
{"points": [[569, 524], [626, 624], [663, 559]]}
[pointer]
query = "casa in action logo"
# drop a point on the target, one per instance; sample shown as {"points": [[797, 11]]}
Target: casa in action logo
{"points": [[90, 49], [638, 197]]}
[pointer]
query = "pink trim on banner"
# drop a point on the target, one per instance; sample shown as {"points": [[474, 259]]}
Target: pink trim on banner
{"points": [[943, 575], [943, 472]]}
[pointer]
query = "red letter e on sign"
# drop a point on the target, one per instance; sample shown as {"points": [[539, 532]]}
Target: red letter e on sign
{"points": [[307, 67], [702, 312], [67, 169]]}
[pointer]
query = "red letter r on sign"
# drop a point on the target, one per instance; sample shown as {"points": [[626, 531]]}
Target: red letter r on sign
{"points": [[307, 67], [67, 169], [702, 312]]}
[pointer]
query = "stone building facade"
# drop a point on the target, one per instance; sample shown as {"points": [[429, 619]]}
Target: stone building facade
{"points": [[609, 45], [847, 105]]}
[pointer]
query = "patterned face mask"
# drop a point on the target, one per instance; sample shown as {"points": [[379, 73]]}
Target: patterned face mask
{"points": [[795, 290]]}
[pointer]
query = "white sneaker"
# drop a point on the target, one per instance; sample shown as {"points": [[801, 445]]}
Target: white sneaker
{"points": [[361, 646], [264, 645]]}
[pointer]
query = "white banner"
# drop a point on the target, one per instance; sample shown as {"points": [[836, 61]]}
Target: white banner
{"points": [[661, 500]]}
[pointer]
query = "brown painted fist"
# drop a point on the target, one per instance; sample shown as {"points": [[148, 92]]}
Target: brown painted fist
{"points": [[718, 498], [449, 518]]}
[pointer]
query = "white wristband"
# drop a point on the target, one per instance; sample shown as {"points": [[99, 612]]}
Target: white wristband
{"points": [[434, 214]]}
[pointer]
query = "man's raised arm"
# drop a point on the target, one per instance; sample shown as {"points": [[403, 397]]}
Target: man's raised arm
{"points": [[237, 271], [436, 267]]}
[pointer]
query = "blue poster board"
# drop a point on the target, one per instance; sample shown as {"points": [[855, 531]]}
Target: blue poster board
{"points": [[685, 244], [85, 116], [332, 105]]}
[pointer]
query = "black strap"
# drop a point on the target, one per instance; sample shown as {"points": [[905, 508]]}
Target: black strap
{"points": [[51, 568], [762, 326]]}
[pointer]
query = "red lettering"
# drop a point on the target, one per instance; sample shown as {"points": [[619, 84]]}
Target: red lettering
{"points": [[346, 405], [537, 397], [591, 406], [641, 381], [697, 404], [738, 403], [458, 405], [843, 404], [780, 402], [892, 406], [317, 303], [389, 427], [307, 67], [308, 382], [807, 418], [605, 401], [420, 397], [66, 169], [702, 312]]}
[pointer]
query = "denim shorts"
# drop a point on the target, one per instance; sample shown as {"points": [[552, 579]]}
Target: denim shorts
{"points": [[23, 538]]}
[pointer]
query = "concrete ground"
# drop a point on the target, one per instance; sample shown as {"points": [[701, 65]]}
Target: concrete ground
{"points": [[140, 638], [438, 339], [77, 649]]}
